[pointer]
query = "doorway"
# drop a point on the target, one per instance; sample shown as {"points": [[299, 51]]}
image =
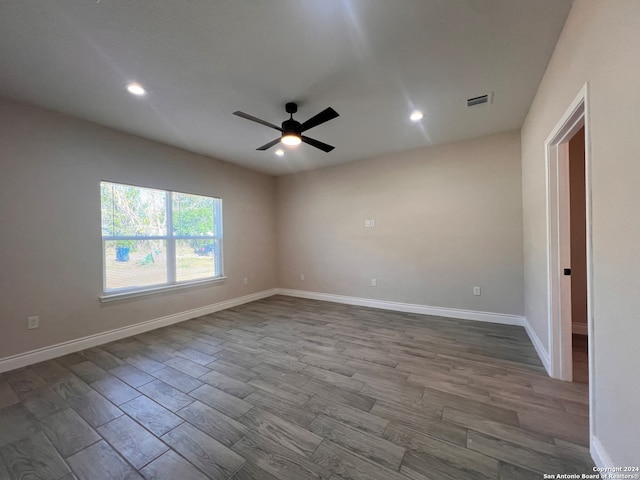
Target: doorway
{"points": [[569, 247], [578, 258]]}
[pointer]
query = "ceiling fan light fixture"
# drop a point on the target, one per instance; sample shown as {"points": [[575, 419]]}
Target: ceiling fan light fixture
{"points": [[134, 88], [280, 152], [291, 139], [416, 116]]}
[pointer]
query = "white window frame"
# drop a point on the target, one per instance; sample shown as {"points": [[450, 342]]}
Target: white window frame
{"points": [[170, 238]]}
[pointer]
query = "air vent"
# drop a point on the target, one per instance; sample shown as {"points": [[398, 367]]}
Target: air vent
{"points": [[481, 100]]}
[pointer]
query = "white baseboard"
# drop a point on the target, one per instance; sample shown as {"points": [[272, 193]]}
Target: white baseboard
{"points": [[600, 456], [579, 328], [545, 358], [409, 307], [47, 353]]}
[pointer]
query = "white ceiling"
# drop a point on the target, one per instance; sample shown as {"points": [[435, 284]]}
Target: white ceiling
{"points": [[371, 60]]}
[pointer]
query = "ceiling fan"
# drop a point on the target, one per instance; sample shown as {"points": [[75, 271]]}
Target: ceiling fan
{"points": [[292, 130]]}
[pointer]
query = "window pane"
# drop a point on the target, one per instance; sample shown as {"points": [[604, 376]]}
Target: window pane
{"points": [[135, 263], [131, 218], [192, 215], [132, 211], [106, 202], [196, 259]]}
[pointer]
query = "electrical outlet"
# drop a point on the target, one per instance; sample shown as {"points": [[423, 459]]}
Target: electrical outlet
{"points": [[302, 277], [246, 281], [476, 291], [33, 322], [374, 282]]}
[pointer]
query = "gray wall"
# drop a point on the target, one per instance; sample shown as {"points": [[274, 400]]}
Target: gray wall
{"points": [[447, 218], [599, 45], [50, 245]]}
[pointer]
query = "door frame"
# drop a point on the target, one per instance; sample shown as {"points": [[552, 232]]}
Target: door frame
{"points": [[575, 117]]}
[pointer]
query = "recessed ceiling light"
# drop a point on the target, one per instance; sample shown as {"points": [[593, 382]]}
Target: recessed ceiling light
{"points": [[136, 89], [416, 116], [280, 152]]}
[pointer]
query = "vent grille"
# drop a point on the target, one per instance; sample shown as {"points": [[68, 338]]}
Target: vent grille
{"points": [[481, 100]]}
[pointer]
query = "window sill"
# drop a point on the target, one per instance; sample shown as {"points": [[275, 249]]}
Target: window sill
{"points": [[121, 295]]}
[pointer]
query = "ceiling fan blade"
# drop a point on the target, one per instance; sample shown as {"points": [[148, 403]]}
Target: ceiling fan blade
{"points": [[269, 145], [257, 120], [315, 143], [324, 116]]}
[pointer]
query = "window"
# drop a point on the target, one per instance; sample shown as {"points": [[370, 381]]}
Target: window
{"points": [[154, 238]]}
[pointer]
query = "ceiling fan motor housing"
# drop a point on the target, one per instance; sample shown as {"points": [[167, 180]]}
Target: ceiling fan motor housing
{"points": [[290, 125]]}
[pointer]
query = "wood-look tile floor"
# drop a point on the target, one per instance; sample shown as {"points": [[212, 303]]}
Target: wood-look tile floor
{"points": [[580, 358], [294, 389]]}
